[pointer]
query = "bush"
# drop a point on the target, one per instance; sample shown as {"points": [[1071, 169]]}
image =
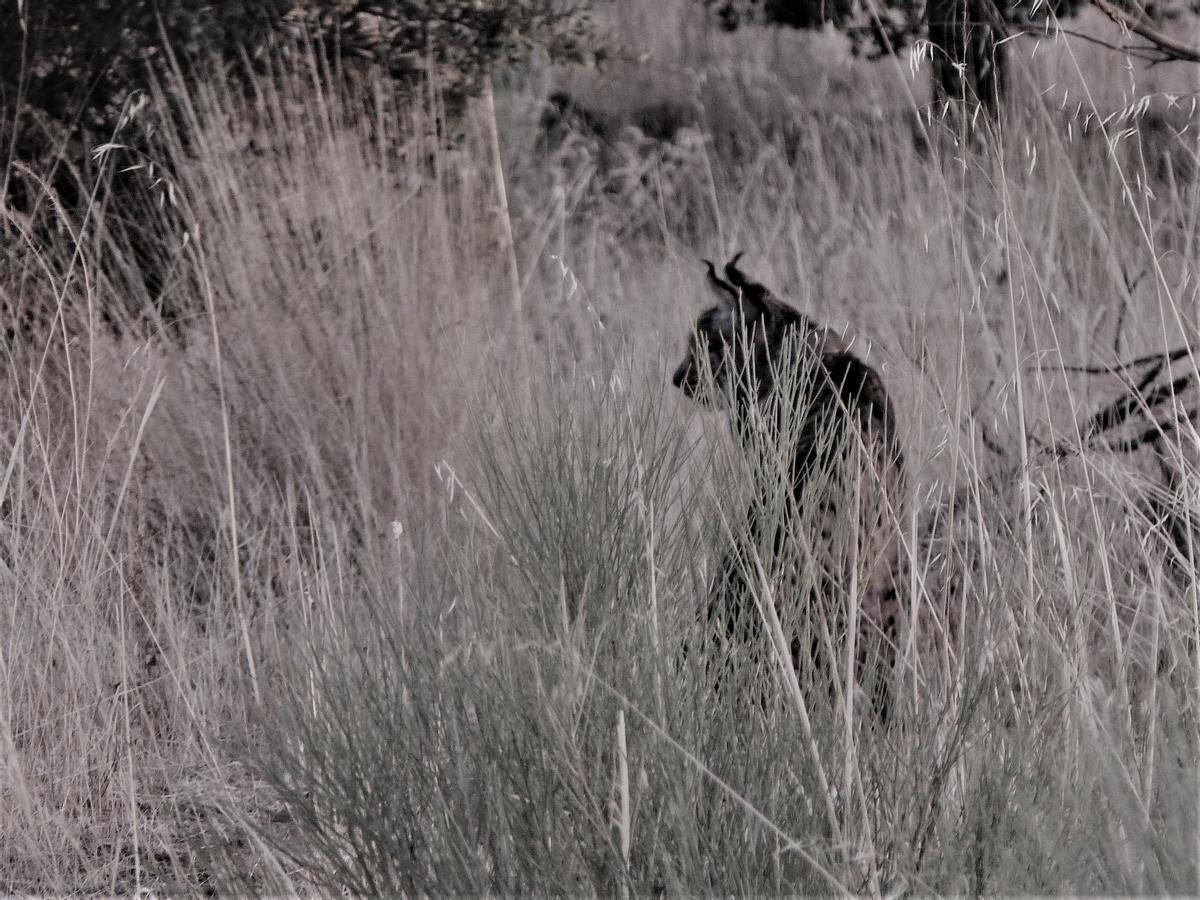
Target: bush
{"points": [[67, 68], [69, 83], [458, 41], [899, 22]]}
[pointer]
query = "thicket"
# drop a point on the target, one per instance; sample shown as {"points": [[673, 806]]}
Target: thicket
{"points": [[966, 37], [71, 69], [75, 75]]}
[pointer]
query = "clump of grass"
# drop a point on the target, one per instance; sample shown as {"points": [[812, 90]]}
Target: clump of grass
{"points": [[568, 611]]}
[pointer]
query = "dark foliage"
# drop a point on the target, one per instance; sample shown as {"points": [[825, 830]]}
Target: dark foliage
{"points": [[968, 61], [72, 72], [461, 40], [966, 35], [68, 67], [898, 24]]}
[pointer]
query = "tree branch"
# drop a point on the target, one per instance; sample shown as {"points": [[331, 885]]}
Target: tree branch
{"points": [[1170, 47]]}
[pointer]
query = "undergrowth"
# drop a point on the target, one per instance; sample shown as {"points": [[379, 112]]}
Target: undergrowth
{"points": [[382, 562]]}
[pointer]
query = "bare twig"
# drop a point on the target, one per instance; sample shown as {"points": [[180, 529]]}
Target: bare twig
{"points": [[1121, 368], [1118, 412], [1151, 437], [1142, 398], [1033, 30], [1167, 46]]}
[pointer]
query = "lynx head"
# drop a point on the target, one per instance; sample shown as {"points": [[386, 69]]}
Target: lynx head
{"points": [[733, 345]]}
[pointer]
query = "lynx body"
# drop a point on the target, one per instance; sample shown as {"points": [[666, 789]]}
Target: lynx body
{"points": [[818, 431]]}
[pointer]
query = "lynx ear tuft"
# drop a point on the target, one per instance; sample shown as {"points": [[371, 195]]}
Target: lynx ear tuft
{"points": [[753, 293], [727, 295], [735, 275]]}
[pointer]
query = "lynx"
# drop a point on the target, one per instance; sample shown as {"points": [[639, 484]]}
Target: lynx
{"points": [[819, 433]]}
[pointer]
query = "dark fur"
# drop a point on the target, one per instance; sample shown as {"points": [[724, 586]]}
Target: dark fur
{"points": [[838, 408]]}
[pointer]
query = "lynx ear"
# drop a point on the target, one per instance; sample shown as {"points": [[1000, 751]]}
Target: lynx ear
{"points": [[752, 292], [735, 275], [727, 295]]}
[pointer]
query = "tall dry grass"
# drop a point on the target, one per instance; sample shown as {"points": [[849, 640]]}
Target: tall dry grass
{"points": [[348, 574]]}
